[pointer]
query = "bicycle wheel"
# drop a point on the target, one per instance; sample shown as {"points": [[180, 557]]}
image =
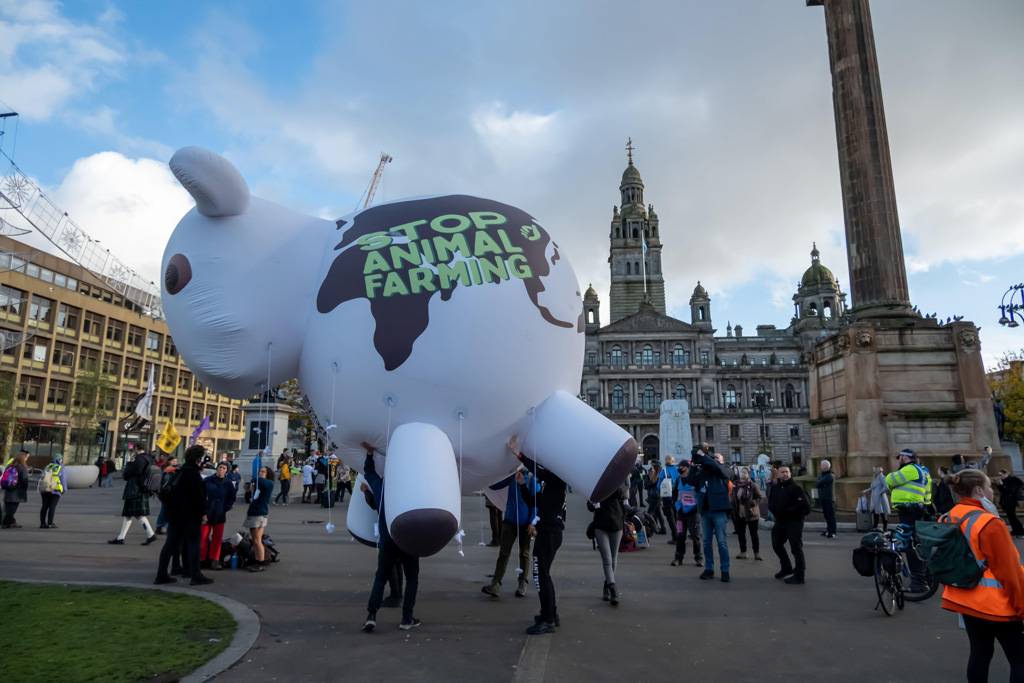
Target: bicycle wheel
{"points": [[885, 585], [930, 586]]}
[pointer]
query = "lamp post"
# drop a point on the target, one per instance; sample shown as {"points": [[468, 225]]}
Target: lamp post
{"points": [[762, 402], [1011, 311]]}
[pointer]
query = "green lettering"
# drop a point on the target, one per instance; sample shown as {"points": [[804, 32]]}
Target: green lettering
{"points": [[482, 219], [372, 284], [491, 267], [474, 268], [517, 265], [420, 279], [409, 229], [456, 271], [438, 223], [394, 285], [484, 244], [509, 249], [446, 248], [427, 249], [373, 240], [409, 253], [375, 261]]}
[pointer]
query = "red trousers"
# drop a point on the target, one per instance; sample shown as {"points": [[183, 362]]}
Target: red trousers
{"points": [[211, 538]]}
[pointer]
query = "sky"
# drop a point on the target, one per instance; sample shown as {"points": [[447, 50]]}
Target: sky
{"points": [[728, 104]]}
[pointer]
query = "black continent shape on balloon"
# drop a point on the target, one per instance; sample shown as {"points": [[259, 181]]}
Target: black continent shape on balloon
{"points": [[401, 318]]}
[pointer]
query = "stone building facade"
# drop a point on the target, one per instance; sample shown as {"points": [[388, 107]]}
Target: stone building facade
{"points": [[747, 394]]}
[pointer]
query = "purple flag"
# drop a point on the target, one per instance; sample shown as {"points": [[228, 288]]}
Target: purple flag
{"points": [[203, 426]]}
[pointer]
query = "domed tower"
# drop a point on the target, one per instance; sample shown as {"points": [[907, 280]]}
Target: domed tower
{"points": [[819, 303], [592, 310], [633, 226], [700, 308]]}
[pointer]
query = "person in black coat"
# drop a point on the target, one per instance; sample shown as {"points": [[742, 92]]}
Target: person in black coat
{"points": [[789, 504], [185, 506], [1011, 492], [607, 525]]}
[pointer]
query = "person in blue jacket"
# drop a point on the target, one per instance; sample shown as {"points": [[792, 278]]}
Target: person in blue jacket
{"points": [[687, 517], [666, 482], [711, 480], [520, 508]]}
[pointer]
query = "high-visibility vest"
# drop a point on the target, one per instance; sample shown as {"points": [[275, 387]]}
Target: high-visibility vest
{"points": [[988, 597], [910, 484]]}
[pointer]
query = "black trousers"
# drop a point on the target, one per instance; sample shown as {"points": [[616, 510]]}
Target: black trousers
{"points": [[669, 508], [828, 509], [742, 526], [388, 555], [654, 508], [9, 510], [793, 532], [1016, 528], [50, 501], [688, 523], [983, 635], [286, 485], [545, 546], [185, 535], [909, 514]]}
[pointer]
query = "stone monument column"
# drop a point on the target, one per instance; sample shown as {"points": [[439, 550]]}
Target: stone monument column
{"points": [[878, 277]]}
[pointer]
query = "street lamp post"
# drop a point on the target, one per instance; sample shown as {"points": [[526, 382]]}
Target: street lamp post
{"points": [[1011, 311], [762, 402]]}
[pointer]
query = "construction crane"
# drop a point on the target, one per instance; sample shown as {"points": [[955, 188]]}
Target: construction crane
{"points": [[384, 159]]}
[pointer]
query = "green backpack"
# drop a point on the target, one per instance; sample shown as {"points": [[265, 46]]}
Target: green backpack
{"points": [[947, 553]]}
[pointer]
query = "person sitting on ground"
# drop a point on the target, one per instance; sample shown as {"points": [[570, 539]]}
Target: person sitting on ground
{"points": [[519, 510], [994, 609]]}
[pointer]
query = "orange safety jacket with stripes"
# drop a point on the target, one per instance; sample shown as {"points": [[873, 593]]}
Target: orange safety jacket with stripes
{"points": [[999, 596]]}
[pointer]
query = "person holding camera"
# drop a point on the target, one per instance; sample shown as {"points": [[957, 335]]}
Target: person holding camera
{"points": [[710, 477]]}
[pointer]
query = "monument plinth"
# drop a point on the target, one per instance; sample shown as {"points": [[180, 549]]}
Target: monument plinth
{"points": [[891, 379]]}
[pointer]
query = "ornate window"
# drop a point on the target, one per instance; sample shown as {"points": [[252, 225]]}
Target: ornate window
{"points": [[731, 401], [647, 356], [618, 398]]}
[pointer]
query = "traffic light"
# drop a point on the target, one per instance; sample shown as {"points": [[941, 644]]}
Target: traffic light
{"points": [[101, 433]]}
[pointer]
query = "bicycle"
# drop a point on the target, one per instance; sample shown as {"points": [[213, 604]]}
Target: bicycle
{"points": [[891, 569]]}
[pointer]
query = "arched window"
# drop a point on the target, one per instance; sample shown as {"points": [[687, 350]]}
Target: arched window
{"points": [[826, 308], [647, 355], [591, 316], [678, 357], [618, 398], [654, 267], [635, 233], [700, 313], [813, 309], [615, 358], [636, 267], [618, 232], [649, 399], [789, 397], [680, 392], [730, 397], [629, 266]]}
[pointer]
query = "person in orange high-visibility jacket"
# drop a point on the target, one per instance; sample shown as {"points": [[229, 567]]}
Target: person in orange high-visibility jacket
{"points": [[994, 609]]}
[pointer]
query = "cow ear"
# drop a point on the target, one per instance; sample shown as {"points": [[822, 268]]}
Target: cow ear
{"points": [[216, 185]]}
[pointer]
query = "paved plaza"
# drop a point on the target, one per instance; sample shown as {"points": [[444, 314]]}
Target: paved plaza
{"points": [[669, 625]]}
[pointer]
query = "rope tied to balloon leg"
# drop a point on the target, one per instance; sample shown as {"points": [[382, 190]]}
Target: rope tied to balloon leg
{"points": [[330, 502], [462, 533]]}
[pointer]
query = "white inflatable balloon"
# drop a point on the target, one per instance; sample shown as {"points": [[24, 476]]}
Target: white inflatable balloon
{"points": [[456, 312], [361, 519]]}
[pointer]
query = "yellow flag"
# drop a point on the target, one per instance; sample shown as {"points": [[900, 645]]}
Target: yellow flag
{"points": [[169, 439]]}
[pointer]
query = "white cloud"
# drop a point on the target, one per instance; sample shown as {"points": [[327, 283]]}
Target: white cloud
{"points": [[518, 140], [46, 60], [104, 121]]}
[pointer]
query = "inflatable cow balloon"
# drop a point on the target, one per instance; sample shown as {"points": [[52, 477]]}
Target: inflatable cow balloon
{"points": [[433, 328]]}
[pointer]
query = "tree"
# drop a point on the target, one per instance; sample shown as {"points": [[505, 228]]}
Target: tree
{"points": [[1007, 386], [89, 403], [300, 421], [10, 427]]}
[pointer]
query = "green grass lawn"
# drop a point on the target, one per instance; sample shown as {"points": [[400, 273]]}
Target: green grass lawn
{"points": [[79, 633]]}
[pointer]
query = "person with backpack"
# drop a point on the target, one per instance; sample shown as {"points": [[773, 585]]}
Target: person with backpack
{"points": [[184, 496], [15, 485], [608, 521], [789, 505], [1011, 493], [651, 480], [993, 610], [284, 471], [52, 486], [170, 464], [136, 496], [109, 470], [687, 517], [220, 497], [666, 481]]}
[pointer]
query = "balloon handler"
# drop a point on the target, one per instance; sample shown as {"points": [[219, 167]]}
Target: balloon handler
{"points": [[433, 328]]}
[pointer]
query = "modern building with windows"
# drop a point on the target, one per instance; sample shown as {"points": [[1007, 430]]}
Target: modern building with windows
{"points": [[57, 321], [747, 394]]}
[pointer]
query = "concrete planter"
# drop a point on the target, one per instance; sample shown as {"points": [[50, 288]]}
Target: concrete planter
{"points": [[81, 476]]}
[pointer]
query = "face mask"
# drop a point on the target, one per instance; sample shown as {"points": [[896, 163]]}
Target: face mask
{"points": [[989, 506]]}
